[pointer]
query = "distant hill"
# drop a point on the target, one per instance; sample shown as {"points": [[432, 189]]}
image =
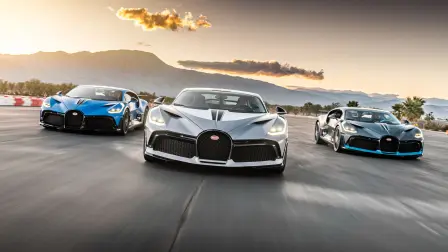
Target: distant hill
{"points": [[144, 71]]}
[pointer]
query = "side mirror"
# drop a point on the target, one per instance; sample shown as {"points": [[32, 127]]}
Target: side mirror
{"points": [[406, 122], [280, 111], [59, 93], [159, 100]]}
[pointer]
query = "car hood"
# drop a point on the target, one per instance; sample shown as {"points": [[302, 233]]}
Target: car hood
{"points": [[223, 120], [382, 129], [83, 103]]}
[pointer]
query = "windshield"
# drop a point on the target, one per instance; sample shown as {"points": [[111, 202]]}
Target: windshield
{"points": [[220, 100], [371, 116], [96, 93]]}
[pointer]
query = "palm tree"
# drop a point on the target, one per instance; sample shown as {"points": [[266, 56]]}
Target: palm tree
{"points": [[353, 104], [398, 110], [429, 116], [413, 108]]}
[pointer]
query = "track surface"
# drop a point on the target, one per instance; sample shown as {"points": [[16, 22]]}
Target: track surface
{"points": [[63, 191]]}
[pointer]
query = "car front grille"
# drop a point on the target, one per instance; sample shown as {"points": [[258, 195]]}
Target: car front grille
{"points": [[52, 118], [389, 144], [410, 146], [73, 119], [99, 123], [363, 143], [218, 149], [255, 151], [173, 143]]}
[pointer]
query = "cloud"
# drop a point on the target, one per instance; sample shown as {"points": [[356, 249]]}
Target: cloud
{"points": [[252, 67], [169, 20], [143, 44]]}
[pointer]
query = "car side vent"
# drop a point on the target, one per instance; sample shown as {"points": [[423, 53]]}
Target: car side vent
{"points": [[172, 114], [262, 121]]}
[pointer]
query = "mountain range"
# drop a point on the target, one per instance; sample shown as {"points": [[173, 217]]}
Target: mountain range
{"points": [[144, 71]]}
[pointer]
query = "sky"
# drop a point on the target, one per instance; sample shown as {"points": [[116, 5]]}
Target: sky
{"points": [[378, 46]]}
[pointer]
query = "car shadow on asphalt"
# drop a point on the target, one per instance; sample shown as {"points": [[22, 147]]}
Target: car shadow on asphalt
{"points": [[133, 132], [245, 172]]}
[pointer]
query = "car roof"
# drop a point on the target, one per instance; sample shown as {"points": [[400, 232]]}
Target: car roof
{"points": [[222, 90], [99, 86]]}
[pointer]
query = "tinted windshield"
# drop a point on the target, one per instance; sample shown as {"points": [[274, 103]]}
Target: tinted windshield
{"points": [[96, 93], [371, 116], [220, 100]]}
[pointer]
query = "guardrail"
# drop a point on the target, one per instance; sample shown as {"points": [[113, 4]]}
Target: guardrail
{"points": [[21, 101]]}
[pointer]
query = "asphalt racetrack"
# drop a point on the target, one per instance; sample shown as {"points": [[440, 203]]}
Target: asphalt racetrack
{"points": [[62, 191]]}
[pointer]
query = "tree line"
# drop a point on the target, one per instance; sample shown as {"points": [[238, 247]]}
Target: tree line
{"points": [[33, 87]]}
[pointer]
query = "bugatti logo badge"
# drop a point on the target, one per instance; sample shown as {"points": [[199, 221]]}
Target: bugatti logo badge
{"points": [[75, 114], [389, 139], [214, 138]]}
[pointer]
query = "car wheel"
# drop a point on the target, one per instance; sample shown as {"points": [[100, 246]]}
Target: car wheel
{"points": [[125, 121], [337, 140], [317, 134]]}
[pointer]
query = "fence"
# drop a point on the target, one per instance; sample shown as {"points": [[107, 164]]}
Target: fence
{"points": [[21, 101]]}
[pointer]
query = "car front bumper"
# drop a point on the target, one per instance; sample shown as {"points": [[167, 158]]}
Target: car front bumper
{"points": [[379, 152], [197, 161]]}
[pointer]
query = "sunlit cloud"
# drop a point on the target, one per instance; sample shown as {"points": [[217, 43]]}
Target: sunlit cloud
{"points": [[252, 67], [168, 20]]}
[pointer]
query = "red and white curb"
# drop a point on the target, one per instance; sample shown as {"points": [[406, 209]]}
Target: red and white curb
{"points": [[21, 101]]}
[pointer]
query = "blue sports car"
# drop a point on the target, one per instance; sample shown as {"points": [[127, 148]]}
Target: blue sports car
{"points": [[96, 108]]}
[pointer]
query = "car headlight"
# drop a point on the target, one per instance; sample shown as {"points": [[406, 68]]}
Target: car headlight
{"points": [[278, 128], [347, 127], [418, 134], [156, 117], [117, 108]]}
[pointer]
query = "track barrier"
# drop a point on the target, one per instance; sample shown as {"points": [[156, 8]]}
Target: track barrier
{"points": [[21, 101]]}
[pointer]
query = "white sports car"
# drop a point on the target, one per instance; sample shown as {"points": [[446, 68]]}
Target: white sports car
{"points": [[217, 127]]}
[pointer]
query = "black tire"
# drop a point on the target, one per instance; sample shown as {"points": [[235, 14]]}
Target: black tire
{"points": [[125, 121], [317, 134], [337, 140]]}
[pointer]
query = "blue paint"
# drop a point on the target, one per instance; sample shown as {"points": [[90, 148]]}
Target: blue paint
{"points": [[398, 154]]}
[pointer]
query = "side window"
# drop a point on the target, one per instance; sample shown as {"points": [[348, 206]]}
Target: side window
{"points": [[334, 114], [127, 97]]}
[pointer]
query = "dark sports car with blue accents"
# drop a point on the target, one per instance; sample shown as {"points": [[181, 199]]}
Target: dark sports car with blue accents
{"points": [[95, 108], [370, 131]]}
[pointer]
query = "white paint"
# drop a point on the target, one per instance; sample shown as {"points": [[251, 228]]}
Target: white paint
{"points": [[202, 113]]}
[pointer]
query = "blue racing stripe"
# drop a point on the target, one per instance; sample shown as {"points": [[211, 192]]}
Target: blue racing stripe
{"points": [[419, 153]]}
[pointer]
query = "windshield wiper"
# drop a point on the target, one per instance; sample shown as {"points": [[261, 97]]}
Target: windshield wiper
{"points": [[177, 104]]}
